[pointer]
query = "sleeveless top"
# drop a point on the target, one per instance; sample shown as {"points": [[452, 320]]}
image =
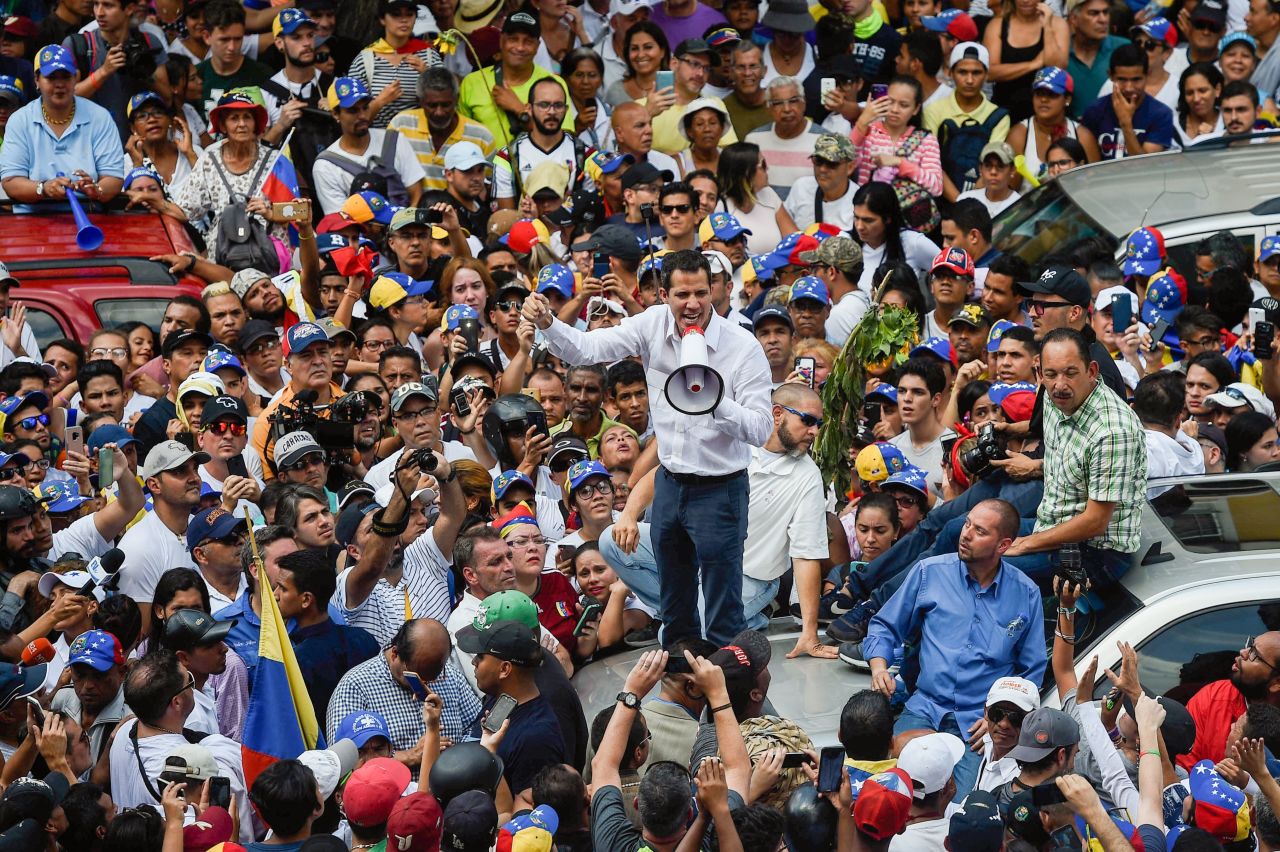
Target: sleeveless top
{"points": [[1015, 95], [1029, 151]]}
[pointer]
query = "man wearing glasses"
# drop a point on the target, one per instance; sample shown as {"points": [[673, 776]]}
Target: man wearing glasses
{"points": [[692, 66], [1255, 677], [787, 144], [259, 346], [310, 369], [300, 460], [224, 436], [1061, 298], [546, 140], [415, 412], [676, 212]]}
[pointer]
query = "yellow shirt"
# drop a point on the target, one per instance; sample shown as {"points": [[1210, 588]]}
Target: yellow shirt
{"points": [[412, 125], [593, 443], [667, 137], [947, 108]]}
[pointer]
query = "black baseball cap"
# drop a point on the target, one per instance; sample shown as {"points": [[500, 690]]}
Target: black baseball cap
{"points": [[977, 826], [697, 47], [1061, 281], [645, 172], [253, 331], [224, 405], [351, 489], [182, 336], [349, 521], [1178, 728], [568, 444], [522, 22], [614, 240], [511, 641], [776, 312], [193, 628], [470, 823]]}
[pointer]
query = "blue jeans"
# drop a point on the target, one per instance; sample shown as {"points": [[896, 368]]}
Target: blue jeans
{"points": [[697, 529], [966, 771]]}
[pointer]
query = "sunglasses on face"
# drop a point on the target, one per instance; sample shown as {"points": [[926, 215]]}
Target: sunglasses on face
{"points": [[999, 714], [225, 427], [32, 422], [808, 420], [323, 55], [668, 209], [309, 460], [509, 305]]}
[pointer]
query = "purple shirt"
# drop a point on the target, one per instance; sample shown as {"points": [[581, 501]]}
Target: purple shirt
{"points": [[690, 26]]}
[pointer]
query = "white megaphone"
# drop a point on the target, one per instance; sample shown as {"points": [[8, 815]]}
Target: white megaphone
{"points": [[694, 387]]}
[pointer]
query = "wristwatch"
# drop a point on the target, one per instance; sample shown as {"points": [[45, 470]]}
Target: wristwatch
{"points": [[628, 699], [40, 189]]}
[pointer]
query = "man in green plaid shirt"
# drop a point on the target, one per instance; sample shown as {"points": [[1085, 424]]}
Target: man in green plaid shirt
{"points": [[1095, 466]]}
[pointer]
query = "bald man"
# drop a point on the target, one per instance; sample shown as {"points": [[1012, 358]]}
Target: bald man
{"points": [[633, 131]]}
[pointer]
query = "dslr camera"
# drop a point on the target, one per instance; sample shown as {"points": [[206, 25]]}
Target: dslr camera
{"points": [[988, 446], [139, 61]]}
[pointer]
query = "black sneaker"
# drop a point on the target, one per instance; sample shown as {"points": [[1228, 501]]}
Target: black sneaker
{"points": [[644, 637], [851, 653], [852, 626]]}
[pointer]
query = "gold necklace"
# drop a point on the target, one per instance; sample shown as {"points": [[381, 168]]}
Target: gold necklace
{"points": [[57, 122]]}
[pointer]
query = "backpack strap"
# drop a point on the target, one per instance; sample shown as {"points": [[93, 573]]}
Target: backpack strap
{"points": [[253, 182], [817, 204], [389, 141], [513, 160], [347, 165], [217, 167]]}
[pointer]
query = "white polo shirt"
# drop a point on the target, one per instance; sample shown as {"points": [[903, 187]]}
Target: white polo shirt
{"points": [[786, 497]]}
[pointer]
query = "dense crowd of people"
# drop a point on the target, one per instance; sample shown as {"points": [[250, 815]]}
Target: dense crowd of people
{"points": [[524, 336]]}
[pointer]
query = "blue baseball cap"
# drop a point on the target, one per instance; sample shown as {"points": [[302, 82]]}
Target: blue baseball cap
{"points": [[939, 347], [653, 263], [1143, 252], [580, 472], [59, 495], [456, 314], [346, 92], [382, 210], [1158, 28], [391, 288], [362, 726], [998, 328], [1166, 297], [331, 242], [138, 172], [11, 88], [217, 359], [1052, 79], [999, 391], [301, 335], [109, 433], [910, 476], [781, 254], [502, 483], [1237, 37], [1269, 248], [289, 21], [215, 523], [144, 98], [96, 648], [53, 58], [810, 287], [558, 277], [39, 399], [884, 391], [610, 161], [877, 462], [721, 226]]}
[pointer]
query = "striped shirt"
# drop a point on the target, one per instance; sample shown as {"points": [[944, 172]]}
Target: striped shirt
{"points": [[377, 73], [424, 588], [1097, 453], [412, 124], [923, 163], [788, 159]]}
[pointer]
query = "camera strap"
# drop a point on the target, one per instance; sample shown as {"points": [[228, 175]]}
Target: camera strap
{"points": [[193, 737]]}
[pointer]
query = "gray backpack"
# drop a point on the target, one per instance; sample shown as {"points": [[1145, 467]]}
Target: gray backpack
{"points": [[380, 172], [242, 241]]}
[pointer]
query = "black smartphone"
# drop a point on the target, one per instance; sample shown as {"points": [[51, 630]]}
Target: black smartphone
{"points": [[501, 710], [1121, 312], [427, 216], [599, 265], [590, 612], [37, 712], [947, 444], [805, 367], [470, 330], [458, 400], [538, 421], [220, 791], [415, 684], [830, 765], [871, 413], [1047, 794], [236, 466], [1263, 335], [794, 760], [677, 664], [1158, 331]]}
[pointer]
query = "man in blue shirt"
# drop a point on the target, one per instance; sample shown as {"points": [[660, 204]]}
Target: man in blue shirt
{"points": [[1128, 121], [973, 618], [304, 584], [246, 613]]}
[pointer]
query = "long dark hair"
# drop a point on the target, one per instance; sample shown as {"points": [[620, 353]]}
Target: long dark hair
{"points": [[1207, 70], [658, 35], [738, 165], [1243, 431], [881, 200], [167, 587], [576, 57], [913, 84]]}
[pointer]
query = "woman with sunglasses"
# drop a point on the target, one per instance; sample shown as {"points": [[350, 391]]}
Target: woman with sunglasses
{"points": [[1153, 39], [589, 494], [1199, 116]]}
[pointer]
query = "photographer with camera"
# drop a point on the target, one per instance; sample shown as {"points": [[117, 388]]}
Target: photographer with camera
{"points": [[116, 61], [415, 411], [310, 388]]}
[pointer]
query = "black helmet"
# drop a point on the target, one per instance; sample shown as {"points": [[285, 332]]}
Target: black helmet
{"points": [[507, 412], [810, 821], [17, 503], [463, 767]]}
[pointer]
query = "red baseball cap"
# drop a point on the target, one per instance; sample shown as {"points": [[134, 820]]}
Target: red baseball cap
{"points": [[955, 259], [884, 804], [373, 790], [415, 824]]}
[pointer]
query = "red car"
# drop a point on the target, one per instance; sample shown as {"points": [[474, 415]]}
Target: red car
{"points": [[71, 293]]}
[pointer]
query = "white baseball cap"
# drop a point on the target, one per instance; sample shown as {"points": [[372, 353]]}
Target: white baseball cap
{"points": [[331, 765], [627, 7], [1017, 691], [463, 155], [596, 303], [970, 50], [930, 761], [719, 263], [1239, 394], [383, 495], [1103, 300], [71, 579]]}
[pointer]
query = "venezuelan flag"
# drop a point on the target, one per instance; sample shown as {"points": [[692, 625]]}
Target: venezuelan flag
{"points": [[272, 733], [282, 184]]}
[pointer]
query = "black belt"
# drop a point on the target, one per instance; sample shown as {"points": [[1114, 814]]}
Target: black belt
{"points": [[703, 479]]}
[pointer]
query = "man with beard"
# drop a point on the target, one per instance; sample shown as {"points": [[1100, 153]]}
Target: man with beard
{"points": [[786, 518], [296, 87], [182, 353], [1255, 678], [968, 331], [586, 418], [350, 98], [434, 128], [545, 141], [157, 543], [310, 369]]}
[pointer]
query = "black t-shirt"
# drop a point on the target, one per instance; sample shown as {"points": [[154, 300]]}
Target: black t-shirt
{"points": [[555, 687], [532, 742]]}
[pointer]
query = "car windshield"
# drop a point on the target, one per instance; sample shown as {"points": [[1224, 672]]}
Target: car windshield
{"points": [[1045, 221], [1217, 517]]}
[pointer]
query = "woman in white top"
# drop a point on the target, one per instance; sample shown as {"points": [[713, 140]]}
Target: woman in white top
{"points": [[1050, 97], [160, 138], [877, 217], [745, 192], [562, 31], [789, 54], [1198, 115]]}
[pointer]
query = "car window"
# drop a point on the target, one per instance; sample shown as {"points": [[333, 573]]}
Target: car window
{"points": [[1217, 517], [1198, 649], [1042, 222], [1182, 257], [44, 326], [115, 312]]}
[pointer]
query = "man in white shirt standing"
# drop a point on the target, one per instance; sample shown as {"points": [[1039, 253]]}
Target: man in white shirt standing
{"points": [[786, 517], [17, 340], [158, 542], [699, 512]]}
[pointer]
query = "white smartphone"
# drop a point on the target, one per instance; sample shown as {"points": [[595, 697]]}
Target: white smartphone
{"points": [[826, 84], [1256, 315]]}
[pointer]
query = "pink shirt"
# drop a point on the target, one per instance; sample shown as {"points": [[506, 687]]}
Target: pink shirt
{"points": [[923, 165]]}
